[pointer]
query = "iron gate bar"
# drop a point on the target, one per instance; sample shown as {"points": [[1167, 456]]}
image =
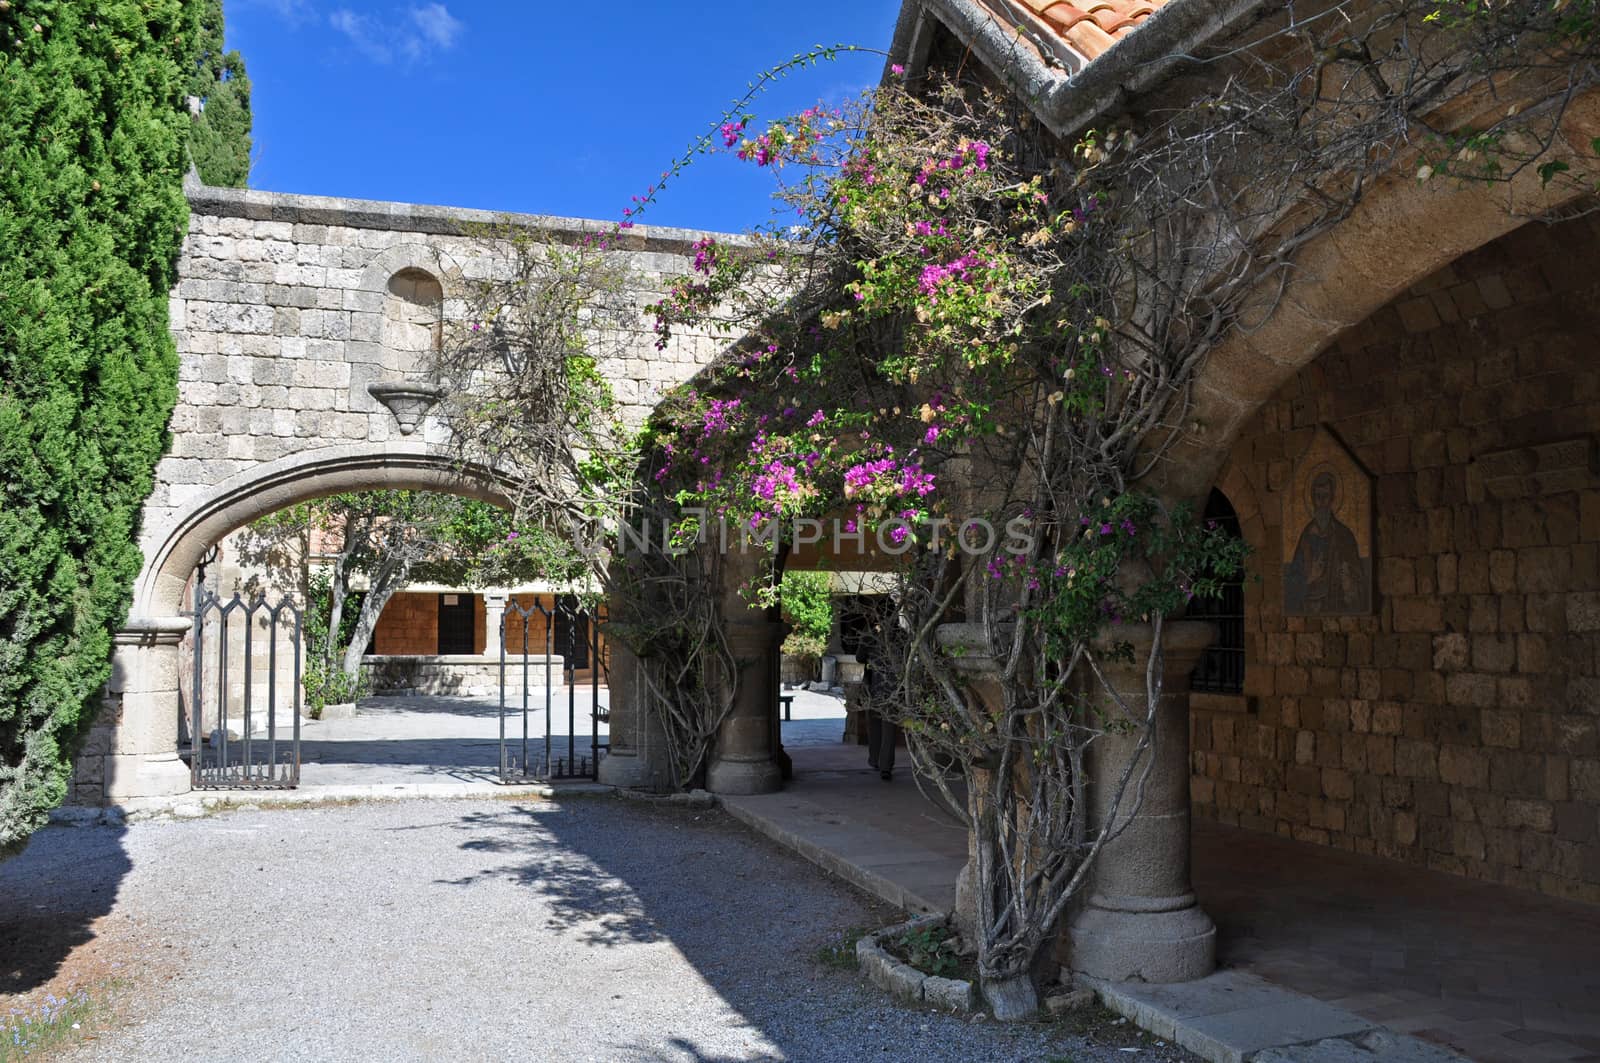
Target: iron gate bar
{"points": [[514, 769], [594, 692], [549, 696], [247, 772]]}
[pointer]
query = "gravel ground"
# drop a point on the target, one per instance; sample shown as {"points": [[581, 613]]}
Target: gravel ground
{"points": [[589, 928]]}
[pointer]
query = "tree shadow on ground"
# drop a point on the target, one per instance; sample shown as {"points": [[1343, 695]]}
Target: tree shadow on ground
{"points": [[51, 896], [749, 917], [582, 897]]}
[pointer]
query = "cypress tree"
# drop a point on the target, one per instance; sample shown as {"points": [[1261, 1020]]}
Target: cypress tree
{"points": [[219, 136], [92, 153]]}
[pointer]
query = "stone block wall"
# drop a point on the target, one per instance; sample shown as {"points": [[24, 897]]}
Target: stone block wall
{"points": [[288, 306], [461, 677], [1458, 726]]}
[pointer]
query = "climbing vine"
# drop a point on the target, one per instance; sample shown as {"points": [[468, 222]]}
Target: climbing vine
{"points": [[980, 339], [964, 356]]}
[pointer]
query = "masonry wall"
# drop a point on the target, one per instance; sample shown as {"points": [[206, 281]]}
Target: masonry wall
{"points": [[288, 306], [1456, 726], [409, 624]]}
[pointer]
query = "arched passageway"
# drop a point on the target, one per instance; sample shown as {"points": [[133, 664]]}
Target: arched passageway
{"points": [[141, 751], [1420, 691]]}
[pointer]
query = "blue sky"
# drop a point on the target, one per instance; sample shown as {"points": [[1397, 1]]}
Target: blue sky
{"points": [[566, 109]]}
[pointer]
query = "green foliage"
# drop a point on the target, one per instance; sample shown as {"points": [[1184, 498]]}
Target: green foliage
{"points": [[931, 950], [808, 605], [92, 129], [804, 647], [325, 682], [46, 1024], [1079, 591], [219, 136], [1574, 19], [390, 538]]}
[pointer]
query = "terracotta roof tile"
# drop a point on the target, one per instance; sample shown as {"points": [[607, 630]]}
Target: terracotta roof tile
{"points": [[1090, 27]]}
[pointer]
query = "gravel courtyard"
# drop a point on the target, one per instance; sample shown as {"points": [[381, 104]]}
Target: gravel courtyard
{"points": [[584, 928]]}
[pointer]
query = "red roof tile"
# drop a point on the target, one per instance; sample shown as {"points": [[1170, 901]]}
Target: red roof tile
{"points": [[1089, 27]]}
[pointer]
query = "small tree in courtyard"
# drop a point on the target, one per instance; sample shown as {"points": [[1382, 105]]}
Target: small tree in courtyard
{"points": [[384, 539]]}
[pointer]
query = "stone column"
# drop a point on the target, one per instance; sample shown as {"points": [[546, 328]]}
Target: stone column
{"points": [[638, 755], [144, 759], [1141, 920], [494, 623], [743, 762]]}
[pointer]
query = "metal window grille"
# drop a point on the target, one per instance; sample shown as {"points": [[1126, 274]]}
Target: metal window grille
{"points": [[1220, 669]]}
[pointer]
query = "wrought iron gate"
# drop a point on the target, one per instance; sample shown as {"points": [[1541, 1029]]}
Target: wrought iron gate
{"points": [[264, 752], [573, 632]]}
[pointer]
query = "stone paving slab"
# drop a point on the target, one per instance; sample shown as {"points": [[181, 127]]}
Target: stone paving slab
{"points": [[884, 837], [1234, 1017]]}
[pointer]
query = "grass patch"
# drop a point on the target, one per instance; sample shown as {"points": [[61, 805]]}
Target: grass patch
{"points": [[1099, 1025], [840, 954], [44, 1024]]}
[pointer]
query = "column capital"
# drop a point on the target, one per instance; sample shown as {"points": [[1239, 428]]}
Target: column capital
{"points": [[1182, 642], [153, 631]]}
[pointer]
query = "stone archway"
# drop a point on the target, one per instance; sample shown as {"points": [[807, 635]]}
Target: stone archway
{"points": [[1403, 231], [143, 761]]}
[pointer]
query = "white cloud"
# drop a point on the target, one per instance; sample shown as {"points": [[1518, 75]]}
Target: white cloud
{"points": [[360, 30], [425, 30], [436, 24]]}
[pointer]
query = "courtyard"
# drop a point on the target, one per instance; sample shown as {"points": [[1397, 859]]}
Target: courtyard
{"points": [[1263, 331], [587, 927]]}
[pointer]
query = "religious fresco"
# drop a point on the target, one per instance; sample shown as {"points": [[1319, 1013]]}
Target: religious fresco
{"points": [[1327, 534]]}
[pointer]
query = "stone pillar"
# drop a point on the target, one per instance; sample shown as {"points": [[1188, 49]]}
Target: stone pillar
{"points": [[144, 759], [638, 755], [1141, 920], [494, 623], [743, 762]]}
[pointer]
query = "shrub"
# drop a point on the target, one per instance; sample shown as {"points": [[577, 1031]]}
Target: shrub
{"points": [[92, 132], [807, 604]]}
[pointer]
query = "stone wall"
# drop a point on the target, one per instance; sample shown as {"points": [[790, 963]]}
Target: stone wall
{"points": [[462, 676], [288, 306], [409, 624], [1456, 726]]}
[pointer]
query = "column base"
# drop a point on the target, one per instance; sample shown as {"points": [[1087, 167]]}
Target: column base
{"points": [[630, 771], [134, 775], [729, 776], [1150, 939]]}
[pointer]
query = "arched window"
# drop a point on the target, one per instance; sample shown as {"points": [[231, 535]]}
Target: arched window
{"points": [[1221, 667]]}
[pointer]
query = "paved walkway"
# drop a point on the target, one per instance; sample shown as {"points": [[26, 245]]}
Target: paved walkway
{"points": [[886, 837], [1500, 975], [404, 740]]}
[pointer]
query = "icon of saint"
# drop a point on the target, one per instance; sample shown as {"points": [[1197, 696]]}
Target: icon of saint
{"points": [[1327, 575]]}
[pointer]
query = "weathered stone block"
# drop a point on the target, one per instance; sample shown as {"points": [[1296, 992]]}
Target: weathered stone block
{"points": [[1494, 653], [1585, 779], [1470, 689], [1417, 614], [1501, 729], [1416, 760], [1463, 766]]}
